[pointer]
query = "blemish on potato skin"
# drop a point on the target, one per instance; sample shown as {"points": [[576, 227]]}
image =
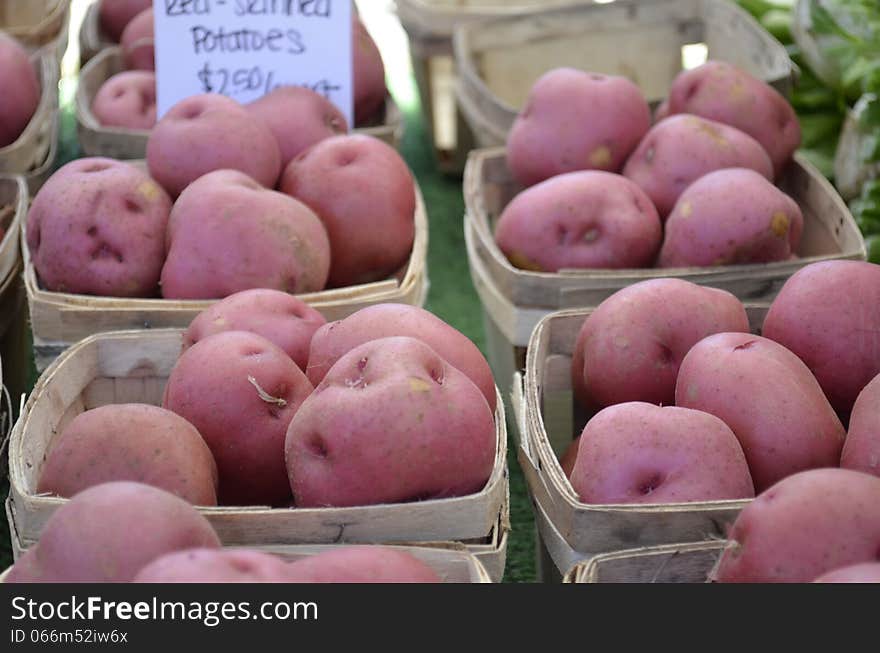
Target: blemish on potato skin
{"points": [[601, 157], [779, 224], [149, 190], [419, 385], [686, 210], [523, 262]]}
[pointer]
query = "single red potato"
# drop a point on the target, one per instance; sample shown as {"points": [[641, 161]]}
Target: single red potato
{"points": [[861, 450], [128, 99], [215, 566], [17, 72], [866, 572], [137, 38], [281, 318], [335, 339], [362, 564], [131, 442], [368, 74], [804, 526], [586, 219], [114, 15], [640, 453]]}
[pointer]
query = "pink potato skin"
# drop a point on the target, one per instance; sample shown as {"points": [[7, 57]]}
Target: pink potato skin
{"points": [[128, 99], [574, 120], [79, 544], [391, 422], [719, 91], [682, 148], [828, 313], [768, 397], [362, 564], [804, 526], [586, 219], [372, 224], [279, 317], [17, 72], [861, 450], [211, 132], [240, 391], [136, 41], [641, 453], [865, 572], [299, 118], [730, 217], [131, 442], [114, 15], [215, 566], [97, 227], [369, 75], [631, 346], [335, 339], [227, 233]]}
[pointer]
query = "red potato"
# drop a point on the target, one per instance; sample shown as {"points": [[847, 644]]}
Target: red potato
{"points": [[682, 148], [575, 120], [569, 457], [362, 564], [640, 453], [729, 217], [131, 442], [109, 532], [215, 566], [631, 346], [114, 15], [17, 72], [768, 397], [804, 526], [211, 132], [279, 317], [719, 91], [334, 340], [586, 219], [299, 118], [861, 450], [227, 234], [828, 313], [364, 193], [391, 422], [368, 74], [866, 572], [128, 99], [97, 227], [240, 391], [138, 51]]}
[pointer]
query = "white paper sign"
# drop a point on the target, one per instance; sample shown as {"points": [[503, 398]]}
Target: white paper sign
{"points": [[246, 48]]}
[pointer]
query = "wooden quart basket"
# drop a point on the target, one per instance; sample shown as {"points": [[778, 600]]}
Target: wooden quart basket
{"points": [[550, 419], [498, 61], [671, 563], [133, 366]]}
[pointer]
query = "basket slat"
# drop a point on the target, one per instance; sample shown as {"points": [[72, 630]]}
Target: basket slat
{"points": [[674, 563]]}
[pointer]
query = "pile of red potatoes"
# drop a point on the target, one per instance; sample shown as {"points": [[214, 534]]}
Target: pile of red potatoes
{"points": [[689, 405], [604, 189]]}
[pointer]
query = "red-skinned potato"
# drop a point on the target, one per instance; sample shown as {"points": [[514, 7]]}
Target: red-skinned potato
{"points": [[131, 442], [368, 74], [17, 72], [97, 227], [114, 15], [861, 450], [240, 391], [227, 233], [828, 313], [334, 340], [802, 527], [215, 566], [641, 453], [719, 91], [391, 422], [729, 217], [682, 148], [362, 564], [575, 120], [364, 193], [107, 533], [586, 219], [569, 456], [631, 346], [138, 51], [768, 397], [127, 99], [211, 132], [298, 117], [281, 318], [865, 572]]}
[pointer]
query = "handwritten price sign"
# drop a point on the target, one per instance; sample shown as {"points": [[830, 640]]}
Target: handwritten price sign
{"points": [[246, 48]]}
